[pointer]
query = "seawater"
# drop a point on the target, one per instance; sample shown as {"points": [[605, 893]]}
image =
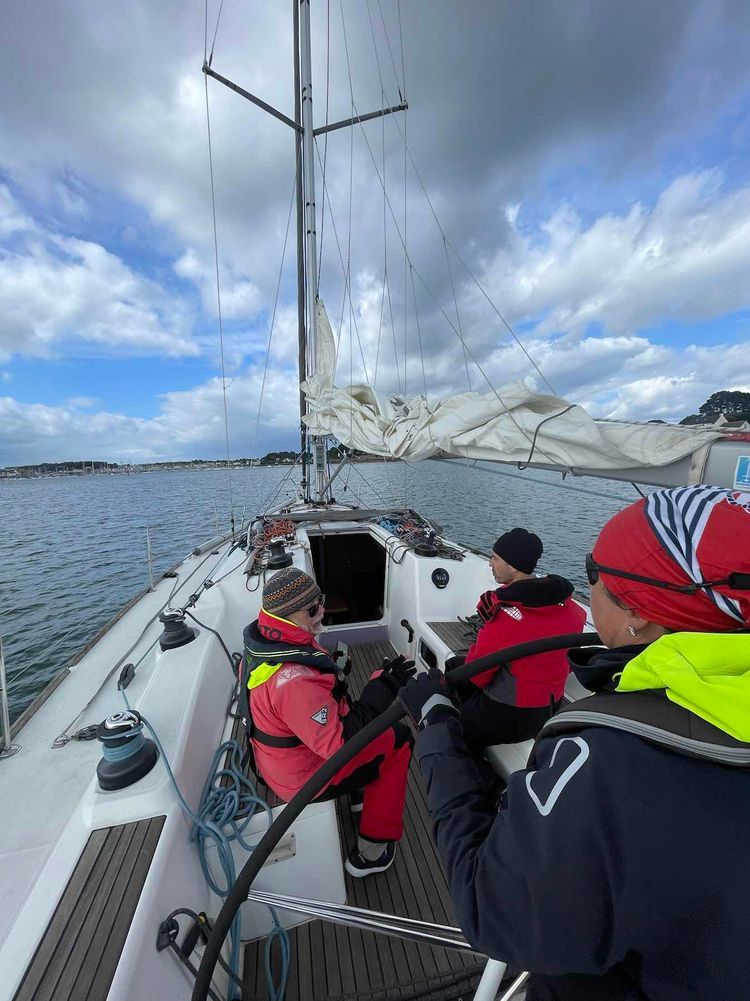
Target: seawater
{"points": [[73, 549]]}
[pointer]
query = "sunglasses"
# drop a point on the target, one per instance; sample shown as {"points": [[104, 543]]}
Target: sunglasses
{"points": [[312, 611], [739, 581]]}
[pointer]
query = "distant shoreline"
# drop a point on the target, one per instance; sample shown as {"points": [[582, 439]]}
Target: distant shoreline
{"points": [[38, 473]]}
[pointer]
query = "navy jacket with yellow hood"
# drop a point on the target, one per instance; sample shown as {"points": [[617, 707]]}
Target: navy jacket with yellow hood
{"points": [[617, 865]]}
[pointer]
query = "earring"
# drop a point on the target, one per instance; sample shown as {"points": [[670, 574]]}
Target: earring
{"points": [[633, 631]]}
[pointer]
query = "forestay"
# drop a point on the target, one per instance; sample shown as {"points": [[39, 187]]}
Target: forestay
{"points": [[510, 424]]}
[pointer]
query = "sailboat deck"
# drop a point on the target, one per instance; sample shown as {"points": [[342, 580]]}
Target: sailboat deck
{"points": [[457, 634], [337, 963]]}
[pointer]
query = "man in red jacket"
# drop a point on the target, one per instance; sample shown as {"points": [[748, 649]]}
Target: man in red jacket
{"points": [[300, 714], [511, 703]]}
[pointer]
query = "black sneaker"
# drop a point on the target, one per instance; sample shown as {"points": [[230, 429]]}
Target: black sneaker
{"points": [[357, 866], [356, 801]]}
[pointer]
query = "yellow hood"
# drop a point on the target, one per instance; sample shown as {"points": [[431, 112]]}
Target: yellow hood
{"points": [[706, 673]]}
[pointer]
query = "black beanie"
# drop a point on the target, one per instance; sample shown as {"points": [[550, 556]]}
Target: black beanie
{"points": [[520, 548]]}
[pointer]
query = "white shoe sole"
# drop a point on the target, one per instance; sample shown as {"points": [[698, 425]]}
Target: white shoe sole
{"points": [[359, 873]]}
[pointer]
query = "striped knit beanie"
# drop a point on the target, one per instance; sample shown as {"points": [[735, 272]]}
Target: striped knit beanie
{"points": [[687, 535], [288, 591]]}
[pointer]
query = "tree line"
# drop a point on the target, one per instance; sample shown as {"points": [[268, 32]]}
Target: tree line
{"points": [[732, 404]]}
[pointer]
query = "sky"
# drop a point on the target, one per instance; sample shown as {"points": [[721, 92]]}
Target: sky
{"points": [[576, 173]]}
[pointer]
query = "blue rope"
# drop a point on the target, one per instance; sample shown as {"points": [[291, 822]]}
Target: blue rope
{"points": [[124, 751], [232, 807]]}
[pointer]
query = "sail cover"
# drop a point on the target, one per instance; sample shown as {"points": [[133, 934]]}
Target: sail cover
{"points": [[510, 424]]}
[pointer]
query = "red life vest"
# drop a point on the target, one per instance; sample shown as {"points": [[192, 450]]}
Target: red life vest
{"points": [[295, 703], [523, 611]]}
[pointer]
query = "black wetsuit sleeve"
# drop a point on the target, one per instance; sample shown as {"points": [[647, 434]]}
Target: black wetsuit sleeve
{"points": [[533, 883]]}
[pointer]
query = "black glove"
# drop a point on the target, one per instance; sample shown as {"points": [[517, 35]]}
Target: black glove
{"points": [[487, 605], [426, 694], [397, 672], [457, 660]]}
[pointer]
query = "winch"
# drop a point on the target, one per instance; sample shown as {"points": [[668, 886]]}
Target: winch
{"points": [[126, 754]]}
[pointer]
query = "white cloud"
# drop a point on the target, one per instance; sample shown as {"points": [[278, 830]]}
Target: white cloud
{"points": [[240, 298], [83, 402], [190, 424], [57, 290], [122, 129], [686, 259], [12, 218]]}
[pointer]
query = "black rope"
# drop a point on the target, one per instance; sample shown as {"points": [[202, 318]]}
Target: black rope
{"points": [[230, 658], [536, 433]]}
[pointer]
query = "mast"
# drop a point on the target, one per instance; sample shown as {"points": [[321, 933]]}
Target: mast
{"points": [[307, 250], [301, 357], [311, 249]]}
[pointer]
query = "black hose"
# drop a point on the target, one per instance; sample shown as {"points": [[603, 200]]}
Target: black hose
{"points": [[238, 894]]}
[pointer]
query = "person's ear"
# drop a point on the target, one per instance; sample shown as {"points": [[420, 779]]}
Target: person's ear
{"points": [[642, 630]]}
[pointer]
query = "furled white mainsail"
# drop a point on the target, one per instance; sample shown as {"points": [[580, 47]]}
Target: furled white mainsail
{"points": [[512, 424]]}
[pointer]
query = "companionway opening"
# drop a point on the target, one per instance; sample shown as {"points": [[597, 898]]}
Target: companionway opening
{"points": [[350, 569]]}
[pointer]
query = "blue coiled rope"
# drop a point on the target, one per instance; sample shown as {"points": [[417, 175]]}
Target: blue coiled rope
{"points": [[221, 807]]}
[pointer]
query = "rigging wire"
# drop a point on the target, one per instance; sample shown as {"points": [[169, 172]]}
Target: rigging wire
{"points": [[268, 346], [468, 270], [494, 391], [351, 193], [409, 264], [458, 314], [216, 31], [421, 358], [266, 506], [368, 485], [218, 295], [391, 493], [385, 233], [401, 91], [406, 297], [472, 464], [325, 142], [393, 331], [327, 196]]}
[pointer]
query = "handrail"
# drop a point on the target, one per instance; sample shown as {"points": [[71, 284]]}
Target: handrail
{"points": [[360, 917], [396, 926], [7, 749]]}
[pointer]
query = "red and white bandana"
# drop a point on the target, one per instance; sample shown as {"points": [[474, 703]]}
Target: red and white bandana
{"points": [[682, 535]]}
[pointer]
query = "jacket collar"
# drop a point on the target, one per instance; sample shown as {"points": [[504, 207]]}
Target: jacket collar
{"points": [[273, 627], [599, 669], [536, 592]]}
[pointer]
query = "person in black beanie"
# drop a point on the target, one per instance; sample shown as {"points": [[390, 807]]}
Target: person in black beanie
{"points": [[511, 703]]}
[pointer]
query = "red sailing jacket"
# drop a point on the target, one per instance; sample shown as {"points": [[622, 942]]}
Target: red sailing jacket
{"points": [[299, 701], [517, 613]]}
